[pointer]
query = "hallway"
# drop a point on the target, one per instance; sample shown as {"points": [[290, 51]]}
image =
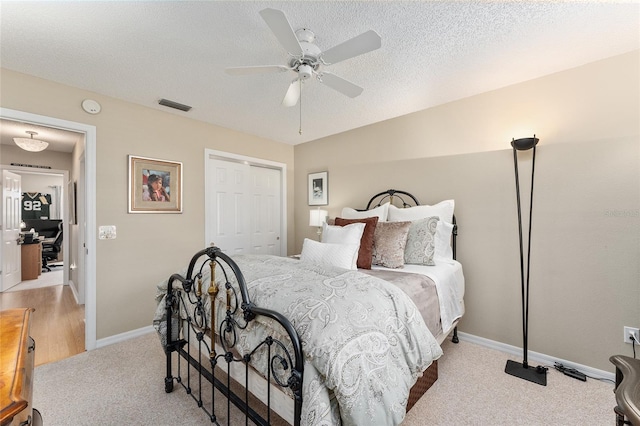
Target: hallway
{"points": [[57, 324]]}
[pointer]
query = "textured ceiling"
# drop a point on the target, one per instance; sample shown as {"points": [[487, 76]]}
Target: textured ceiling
{"points": [[432, 52]]}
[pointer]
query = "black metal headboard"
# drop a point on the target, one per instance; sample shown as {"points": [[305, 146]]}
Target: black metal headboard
{"points": [[392, 195]]}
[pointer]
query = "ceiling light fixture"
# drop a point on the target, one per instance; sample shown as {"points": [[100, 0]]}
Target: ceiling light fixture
{"points": [[31, 144]]}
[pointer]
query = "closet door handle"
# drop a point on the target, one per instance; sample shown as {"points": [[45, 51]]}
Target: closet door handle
{"points": [[31, 347]]}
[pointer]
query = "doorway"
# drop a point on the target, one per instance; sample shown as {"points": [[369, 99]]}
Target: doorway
{"points": [[48, 184], [88, 203]]}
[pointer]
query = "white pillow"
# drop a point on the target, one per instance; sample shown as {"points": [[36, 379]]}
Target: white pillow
{"points": [[340, 255], [443, 241], [349, 234], [444, 210], [381, 212]]}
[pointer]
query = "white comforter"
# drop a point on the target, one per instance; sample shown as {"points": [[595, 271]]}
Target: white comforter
{"points": [[364, 341]]}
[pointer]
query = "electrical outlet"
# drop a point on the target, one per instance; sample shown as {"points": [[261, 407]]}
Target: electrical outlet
{"points": [[628, 331]]}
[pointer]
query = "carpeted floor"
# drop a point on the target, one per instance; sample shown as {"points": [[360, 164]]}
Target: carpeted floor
{"points": [[123, 384]]}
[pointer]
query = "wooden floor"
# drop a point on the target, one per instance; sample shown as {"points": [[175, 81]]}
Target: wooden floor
{"points": [[57, 325]]}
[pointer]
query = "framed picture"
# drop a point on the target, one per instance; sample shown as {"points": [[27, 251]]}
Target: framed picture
{"points": [[318, 189], [155, 186]]}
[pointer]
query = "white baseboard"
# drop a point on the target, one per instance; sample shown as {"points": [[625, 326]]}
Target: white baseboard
{"points": [[124, 336], [72, 286], [536, 357]]}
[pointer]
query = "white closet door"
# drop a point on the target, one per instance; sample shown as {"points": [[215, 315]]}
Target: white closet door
{"points": [[228, 213], [265, 210], [243, 207]]}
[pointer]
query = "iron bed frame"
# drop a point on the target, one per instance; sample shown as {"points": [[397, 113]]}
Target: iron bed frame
{"points": [[285, 366], [280, 362]]}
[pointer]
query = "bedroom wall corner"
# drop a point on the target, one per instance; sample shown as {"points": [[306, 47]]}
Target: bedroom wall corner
{"points": [[586, 225]]}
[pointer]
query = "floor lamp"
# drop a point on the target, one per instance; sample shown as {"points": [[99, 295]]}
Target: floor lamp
{"points": [[523, 370]]}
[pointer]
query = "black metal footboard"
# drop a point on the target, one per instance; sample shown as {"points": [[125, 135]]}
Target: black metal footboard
{"points": [[185, 301]]}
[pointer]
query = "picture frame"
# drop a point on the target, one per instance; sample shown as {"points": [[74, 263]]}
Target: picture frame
{"points": [[319, 189], [163, 194]]}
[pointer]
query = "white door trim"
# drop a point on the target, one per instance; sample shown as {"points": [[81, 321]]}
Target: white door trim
{"points": [[90, 206], [252, 161]]}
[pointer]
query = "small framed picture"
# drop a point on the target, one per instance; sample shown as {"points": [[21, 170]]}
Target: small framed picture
{"points": [[155, 186], [318, 189]]}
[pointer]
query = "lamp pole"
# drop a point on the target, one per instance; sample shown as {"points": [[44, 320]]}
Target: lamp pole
{"points": [[522, 370]]}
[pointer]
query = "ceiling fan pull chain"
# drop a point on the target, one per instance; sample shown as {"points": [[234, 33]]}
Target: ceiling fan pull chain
{"points": [[300, 129]]}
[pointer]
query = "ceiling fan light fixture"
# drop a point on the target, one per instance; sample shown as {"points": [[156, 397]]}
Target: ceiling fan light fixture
{"points": [[305, 71], [31, 144]]}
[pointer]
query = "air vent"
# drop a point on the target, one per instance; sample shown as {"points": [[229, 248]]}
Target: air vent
{"points": [[175, 105]]}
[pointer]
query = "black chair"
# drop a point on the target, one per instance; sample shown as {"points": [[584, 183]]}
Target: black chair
{"points": [[50, 248]]}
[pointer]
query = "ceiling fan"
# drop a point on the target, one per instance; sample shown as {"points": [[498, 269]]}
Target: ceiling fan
{"points": [[306, 59]]}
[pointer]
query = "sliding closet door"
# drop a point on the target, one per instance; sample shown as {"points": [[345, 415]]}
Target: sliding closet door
{"points": [[243, 207], [265, 210], [228, 212]]}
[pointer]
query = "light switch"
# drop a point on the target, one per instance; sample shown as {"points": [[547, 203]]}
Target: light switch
{"points": [[107, 232]]}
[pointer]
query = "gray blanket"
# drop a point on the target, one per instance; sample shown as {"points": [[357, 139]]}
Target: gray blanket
{"points": [[364, 340]]}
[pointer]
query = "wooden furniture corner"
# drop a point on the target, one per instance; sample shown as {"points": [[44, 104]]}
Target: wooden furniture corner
{"points": [[16, 369], [627, 390]]}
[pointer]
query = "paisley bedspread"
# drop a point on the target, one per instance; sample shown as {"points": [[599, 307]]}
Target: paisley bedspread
{"points": [[365, 342]]}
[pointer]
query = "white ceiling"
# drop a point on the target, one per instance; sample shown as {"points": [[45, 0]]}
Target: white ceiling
{"points": [[432, 52]]}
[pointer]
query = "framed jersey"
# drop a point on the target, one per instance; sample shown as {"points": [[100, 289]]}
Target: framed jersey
{"points": [[35, 205]]}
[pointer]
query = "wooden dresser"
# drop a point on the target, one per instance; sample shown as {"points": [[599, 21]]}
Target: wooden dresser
{"points": [[16, 369]]}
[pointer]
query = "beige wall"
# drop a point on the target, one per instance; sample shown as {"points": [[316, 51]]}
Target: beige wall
{"points": [[585, 273], [148, 247], [55, 160], [585, 247]]}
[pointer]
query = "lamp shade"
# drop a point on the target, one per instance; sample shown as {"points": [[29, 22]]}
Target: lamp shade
{"points": [[31, 144], [317, 217], [524, 144]]}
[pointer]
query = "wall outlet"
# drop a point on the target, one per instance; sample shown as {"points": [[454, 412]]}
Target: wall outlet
{"points": [[631, 330]]}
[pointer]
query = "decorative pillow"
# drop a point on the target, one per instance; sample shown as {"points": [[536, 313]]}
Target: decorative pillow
{"points": [[340, 255], [349, 234], [443, 241], [444, 210], [421, 246], [389, 242], [365, 252], [380, 212]]}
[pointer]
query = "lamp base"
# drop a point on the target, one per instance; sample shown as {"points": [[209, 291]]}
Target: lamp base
{"points": [[533, 374]]}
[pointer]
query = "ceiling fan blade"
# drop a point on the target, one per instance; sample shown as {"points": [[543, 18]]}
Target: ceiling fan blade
{"points": [[293, 94], [340, 84], [258, 69], [277, 21], [365, 42]]}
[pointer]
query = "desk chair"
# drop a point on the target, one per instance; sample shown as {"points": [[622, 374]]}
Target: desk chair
{"points": [[50, 248]]}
